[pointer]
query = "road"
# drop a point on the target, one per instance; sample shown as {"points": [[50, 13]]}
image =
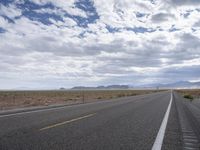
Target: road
{"points": [[130, 123]]}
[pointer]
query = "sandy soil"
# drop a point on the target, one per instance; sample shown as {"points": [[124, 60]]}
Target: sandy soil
{"points": [[18, 99]]}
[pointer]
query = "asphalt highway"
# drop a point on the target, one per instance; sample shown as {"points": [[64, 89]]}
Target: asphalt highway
{"points": [[146, 122]]}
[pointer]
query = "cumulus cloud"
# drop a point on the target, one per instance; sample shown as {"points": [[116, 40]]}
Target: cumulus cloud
{"points": [[68, 43], [65, 5], [184, 2], [10, 11], [160, 17]]}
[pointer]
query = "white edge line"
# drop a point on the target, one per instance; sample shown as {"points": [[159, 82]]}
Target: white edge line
{"points": [[32, 111], [40, 110], [160, 136]]}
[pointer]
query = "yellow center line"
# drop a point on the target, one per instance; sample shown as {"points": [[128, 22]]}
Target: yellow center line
{"points": [[66, 122]]}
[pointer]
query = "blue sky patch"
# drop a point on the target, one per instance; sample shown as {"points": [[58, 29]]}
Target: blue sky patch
{"points": [[140, 15], [6, 2], [173, 29], [140, 29], [2, 30], [112, 29], [8, 19], [29, 10], [88, 7], [134, 29]]}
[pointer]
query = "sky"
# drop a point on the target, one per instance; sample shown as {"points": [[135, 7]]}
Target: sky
{"points": [[47, 44]]}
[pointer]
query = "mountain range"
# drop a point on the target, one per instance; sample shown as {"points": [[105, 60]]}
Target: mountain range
{"points": [[101, 87], [179, 84]]}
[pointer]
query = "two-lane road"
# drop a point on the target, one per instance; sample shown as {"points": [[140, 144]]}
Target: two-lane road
{"points": [[126, 123]]}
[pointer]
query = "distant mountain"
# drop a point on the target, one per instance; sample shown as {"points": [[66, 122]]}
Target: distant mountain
{"points": [[100, 87], [62, 88], [185, 84], [179, 84]]}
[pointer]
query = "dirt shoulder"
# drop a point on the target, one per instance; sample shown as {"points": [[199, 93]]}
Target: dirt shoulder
{"points": [[20, 99]]}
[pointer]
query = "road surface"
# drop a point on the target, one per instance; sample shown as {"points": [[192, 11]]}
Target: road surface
{"points": [[155, 121]]}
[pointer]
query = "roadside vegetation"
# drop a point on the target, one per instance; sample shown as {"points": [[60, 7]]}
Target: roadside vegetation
{"points": [[190, 94], [190, 97], [14, 99]]}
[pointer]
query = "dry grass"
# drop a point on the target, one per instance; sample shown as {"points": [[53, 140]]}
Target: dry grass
{"points": [[195, 93], [14, 99]]}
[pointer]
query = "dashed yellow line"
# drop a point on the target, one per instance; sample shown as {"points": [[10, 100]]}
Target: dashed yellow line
{"points": [[66, 122]]}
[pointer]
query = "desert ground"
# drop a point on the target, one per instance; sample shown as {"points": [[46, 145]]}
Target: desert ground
{"points": [[192, 93], [18, 99]]}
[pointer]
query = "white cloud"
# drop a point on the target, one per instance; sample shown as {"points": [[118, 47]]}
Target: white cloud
{"points": [[120, 13], [10, 11], [67, 54], [3, 22], [67, 5]]}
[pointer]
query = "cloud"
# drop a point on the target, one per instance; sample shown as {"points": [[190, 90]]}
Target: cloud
{"points": [[10, 11], [66, 43], [184, 2], [160, 17]]}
